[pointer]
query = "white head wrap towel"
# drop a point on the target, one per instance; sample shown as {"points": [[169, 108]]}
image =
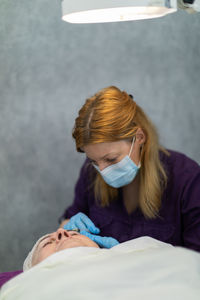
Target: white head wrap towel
{"points": [[28, 261]]}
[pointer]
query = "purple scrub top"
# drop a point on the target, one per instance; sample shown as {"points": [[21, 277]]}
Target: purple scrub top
{"points": [[179, 221]]}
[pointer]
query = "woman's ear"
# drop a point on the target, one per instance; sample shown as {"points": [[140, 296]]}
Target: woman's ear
{"points": [[140, 136]]}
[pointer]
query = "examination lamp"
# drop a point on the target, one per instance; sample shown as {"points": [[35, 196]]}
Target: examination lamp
{"points": [[100, 11]]}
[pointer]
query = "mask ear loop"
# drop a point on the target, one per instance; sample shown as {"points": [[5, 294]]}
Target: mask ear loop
{"points": [[141, 149], [133, 142]]}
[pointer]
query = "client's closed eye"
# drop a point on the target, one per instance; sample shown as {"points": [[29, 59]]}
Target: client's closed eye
{"points": [[50, 242]]}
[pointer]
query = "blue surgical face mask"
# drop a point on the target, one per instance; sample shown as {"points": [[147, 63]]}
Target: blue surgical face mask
{"points": [[121, 173]]}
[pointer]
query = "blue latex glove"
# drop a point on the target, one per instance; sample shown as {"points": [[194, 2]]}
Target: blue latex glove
{"points": [[82, 222], [102, 241]]}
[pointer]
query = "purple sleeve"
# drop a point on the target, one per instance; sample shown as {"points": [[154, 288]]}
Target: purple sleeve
{"points": [[80, 203], [4, 277], [191, 213]]}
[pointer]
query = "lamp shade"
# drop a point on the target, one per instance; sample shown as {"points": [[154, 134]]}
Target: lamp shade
{"points": [[98, 11]]}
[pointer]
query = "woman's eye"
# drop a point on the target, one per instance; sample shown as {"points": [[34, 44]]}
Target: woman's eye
{"points": [[110, 160]]}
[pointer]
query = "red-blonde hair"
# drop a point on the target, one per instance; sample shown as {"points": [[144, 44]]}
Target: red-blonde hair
{"points": [[112, 115]]}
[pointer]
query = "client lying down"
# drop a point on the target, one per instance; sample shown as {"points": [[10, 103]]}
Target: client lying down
{"points": [[52, 243], [68, 265], [55, 242]]}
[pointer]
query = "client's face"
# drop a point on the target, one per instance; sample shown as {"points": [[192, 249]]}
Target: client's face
{"points": [[60, 240]]}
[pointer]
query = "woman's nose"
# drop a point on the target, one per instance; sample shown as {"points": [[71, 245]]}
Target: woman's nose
{"points": [[61, 233]]}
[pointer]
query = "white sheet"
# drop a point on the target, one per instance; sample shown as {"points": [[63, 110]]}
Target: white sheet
{"points": [[143, 268]]}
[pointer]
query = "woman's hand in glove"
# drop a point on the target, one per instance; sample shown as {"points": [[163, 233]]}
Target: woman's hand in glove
{"points": [[81, 222]]}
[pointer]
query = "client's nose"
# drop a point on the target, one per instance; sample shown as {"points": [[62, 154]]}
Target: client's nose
{"points": [[61, 233]]}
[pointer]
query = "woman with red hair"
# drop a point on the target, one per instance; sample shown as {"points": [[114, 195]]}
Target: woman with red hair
{"points": [[129, 185]]}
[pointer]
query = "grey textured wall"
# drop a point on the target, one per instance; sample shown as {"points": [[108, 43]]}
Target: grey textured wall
{"points": [[47, 69]]}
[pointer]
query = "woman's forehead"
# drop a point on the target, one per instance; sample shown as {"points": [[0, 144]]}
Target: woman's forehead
{"points": [[102, 149]]}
